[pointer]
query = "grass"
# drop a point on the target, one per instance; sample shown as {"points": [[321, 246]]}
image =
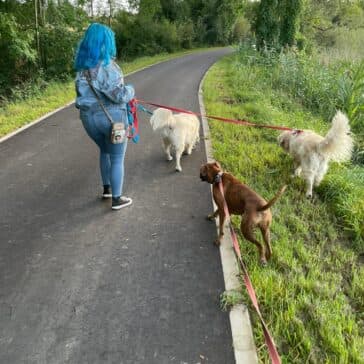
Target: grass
{"points": [[348, 45], [311, 294], [14, 115]]}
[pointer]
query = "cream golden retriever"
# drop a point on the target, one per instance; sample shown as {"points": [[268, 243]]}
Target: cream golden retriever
{"points": [[312, 153], [178, 131]]}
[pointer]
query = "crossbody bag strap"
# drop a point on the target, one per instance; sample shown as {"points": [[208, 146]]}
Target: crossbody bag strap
{"points": [[88, 78]]}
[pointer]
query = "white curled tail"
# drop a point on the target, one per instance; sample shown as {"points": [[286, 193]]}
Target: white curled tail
{"points": [[338, 143]]}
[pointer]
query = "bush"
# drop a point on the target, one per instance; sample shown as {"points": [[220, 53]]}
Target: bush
{"points": [[58, 49], [241, 29], [17, 55], [186, 34], [141, 36]]}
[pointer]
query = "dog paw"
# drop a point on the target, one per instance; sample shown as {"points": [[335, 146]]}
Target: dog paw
{"points": [[263, 262], [210, 217], [178, 169], [169, 158], [309, 196]]}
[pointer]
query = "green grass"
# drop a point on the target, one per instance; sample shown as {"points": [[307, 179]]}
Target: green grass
{"points": [[311, 294], [16, 114], [348, 46]]}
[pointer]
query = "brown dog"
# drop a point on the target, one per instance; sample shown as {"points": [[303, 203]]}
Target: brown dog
{"points": [[241, 200]]}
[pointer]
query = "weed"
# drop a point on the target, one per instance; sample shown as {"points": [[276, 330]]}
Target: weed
{"points": [[229, 299]]}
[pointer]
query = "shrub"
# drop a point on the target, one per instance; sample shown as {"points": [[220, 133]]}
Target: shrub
{"points": [[17, 55], [186, 34], [58, 48], [241, 29]]}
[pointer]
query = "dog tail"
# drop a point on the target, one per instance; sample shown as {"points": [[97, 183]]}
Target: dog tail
{"points": [[338, 143], [273, 200]]}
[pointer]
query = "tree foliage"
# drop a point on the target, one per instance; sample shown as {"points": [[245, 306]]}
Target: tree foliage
{"points": [[38, 37], [276, 22], [16, 49], [284, 23]]}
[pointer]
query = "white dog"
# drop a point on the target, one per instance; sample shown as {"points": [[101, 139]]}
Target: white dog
{"points": [[312, 152], [180, 131]]}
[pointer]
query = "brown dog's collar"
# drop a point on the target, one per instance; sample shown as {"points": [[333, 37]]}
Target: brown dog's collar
{"points": [[218, 177]]}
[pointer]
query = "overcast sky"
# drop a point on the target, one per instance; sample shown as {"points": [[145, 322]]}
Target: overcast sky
{"points": [[101, 6]]}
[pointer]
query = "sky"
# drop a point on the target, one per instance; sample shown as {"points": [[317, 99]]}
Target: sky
{"points": [[101, 6]]}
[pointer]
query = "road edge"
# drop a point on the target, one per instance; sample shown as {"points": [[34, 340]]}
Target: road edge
{"points": [[241, 328]]}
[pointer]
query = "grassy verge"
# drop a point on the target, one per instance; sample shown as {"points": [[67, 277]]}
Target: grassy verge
{"points": [[56, 94], [311, 294]]}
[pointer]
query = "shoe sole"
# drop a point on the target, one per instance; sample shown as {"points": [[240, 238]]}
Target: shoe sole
{"points": [[122, 206], [107, 196]]}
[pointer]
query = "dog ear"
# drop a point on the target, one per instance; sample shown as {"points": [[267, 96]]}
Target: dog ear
{"points": [[283, 140], [170, 118], [217, 164]]}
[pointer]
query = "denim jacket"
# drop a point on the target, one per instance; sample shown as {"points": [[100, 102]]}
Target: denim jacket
{"points": [[109, 83]]}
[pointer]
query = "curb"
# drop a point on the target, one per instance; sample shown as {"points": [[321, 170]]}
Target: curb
{"points": [[17, 131], [241, 329]]}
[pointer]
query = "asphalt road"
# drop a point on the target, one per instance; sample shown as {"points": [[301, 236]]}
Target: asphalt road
{"points": [[80, 283]]}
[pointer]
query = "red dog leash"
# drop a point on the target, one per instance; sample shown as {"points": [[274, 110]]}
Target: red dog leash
{"points": [[226, 120], [273, 353]]}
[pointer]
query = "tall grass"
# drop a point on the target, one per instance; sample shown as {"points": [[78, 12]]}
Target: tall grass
{"points": [[348, 46], [321, 88]]}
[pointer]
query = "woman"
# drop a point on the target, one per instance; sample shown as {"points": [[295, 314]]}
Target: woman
{"points": [[94, 63]]}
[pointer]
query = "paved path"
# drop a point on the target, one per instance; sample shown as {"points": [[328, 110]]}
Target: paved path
{"points": [[80, 283]]}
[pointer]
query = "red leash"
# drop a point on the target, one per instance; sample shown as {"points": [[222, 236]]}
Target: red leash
{"points": [[273, 353], [226, 120]]}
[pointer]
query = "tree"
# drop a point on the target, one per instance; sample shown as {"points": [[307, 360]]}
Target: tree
{"points": [[267, 24], [276, 22], [17, 53], [289, 10]]}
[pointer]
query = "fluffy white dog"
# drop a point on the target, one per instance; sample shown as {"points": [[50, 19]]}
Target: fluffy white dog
{"points": [[312, 152], [179, 131]]}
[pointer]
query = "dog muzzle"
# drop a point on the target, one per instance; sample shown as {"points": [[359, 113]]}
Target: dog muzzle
{"points": [[203, 178]]}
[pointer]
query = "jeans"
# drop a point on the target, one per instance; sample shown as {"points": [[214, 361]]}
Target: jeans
{"points": [[98, 128]]}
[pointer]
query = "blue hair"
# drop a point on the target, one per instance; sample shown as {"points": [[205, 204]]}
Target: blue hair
{"points": [[97, 45]]}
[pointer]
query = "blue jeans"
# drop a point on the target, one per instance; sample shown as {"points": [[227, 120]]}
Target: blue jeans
{"points": [[98, 128]]}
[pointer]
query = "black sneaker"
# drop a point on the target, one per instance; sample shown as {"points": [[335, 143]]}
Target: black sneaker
{"points": [[120, 202], [107, 192]]}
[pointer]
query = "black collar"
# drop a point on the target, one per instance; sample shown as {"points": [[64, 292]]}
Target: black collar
{"points": [[218, 177]]}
